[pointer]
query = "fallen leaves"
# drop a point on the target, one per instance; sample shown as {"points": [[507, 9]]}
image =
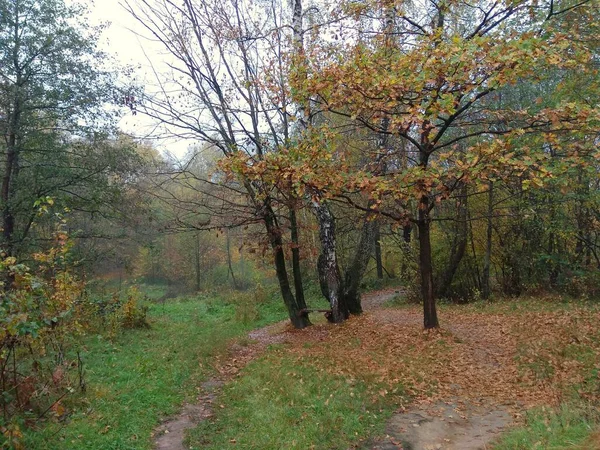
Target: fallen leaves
{"points": [[525, 358]]}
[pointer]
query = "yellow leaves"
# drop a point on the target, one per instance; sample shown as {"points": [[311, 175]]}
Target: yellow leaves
{"points": [[534, 181], [13, 436], [9, 261]]}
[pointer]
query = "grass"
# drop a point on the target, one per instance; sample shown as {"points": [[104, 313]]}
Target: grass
{"points": [[282, 403], [569, 427], [288, 399], [510, 305], [144, 375]]}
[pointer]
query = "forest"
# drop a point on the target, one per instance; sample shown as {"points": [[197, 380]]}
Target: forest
{"points": [[366, 224]]}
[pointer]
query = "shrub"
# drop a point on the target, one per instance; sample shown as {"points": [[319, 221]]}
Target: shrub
{"points": [[43, 311], [133, 312]]}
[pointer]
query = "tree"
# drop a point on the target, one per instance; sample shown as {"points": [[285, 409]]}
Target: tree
{"points": [[215, 94], [435, 87], [54, 114]]}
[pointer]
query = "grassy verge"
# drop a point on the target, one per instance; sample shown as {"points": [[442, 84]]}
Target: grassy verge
{"points": [[282, 403], [569, 427], [547, 302], [143, 375]]}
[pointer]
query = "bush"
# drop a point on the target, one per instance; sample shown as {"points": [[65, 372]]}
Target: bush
{"points": [[133, 312], [42, 314], [584, 284]]}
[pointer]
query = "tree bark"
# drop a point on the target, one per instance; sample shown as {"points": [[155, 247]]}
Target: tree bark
{"points": [[459, 244], [11, 167], [328, 264], [298, 285], [378, 261], [430, 319], [487, 260], [8, 220], [321, 271], [357, 269], [298, 319], [197, 254], [229, 264]]}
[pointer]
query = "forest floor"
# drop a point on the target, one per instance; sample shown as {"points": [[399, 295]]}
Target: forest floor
{"points": [[453, 388]]}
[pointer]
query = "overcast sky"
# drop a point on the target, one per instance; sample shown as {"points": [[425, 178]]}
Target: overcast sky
{"points": [[120, 40]]}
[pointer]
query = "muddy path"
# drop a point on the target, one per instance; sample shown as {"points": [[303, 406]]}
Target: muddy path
{"points": [[449, 425]]}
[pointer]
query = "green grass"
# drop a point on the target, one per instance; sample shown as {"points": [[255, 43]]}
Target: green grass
{"points": [[154, 291], [568, 427], [144, 375], [277, 402], [282, 403]]}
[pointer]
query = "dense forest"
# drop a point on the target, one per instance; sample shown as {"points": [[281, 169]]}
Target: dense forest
{"points": [[448, 149]]}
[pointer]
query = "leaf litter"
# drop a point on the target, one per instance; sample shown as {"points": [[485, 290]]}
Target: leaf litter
{"points": [[487, 366], [466, 381]]}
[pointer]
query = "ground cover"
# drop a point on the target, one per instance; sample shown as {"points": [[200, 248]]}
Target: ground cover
{"points": [[528, 366], [143, 376], [534, 360]]}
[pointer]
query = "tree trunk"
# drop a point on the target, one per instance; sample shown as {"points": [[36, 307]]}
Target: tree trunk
{"points": [[8, 181], [356, 271], [229, 264], [378, 261], [487, 260], [430, 319], [298, 286], [298, 319], [8, 220], [328, 265], [406, 250], [553, 248], [197, 252], [459, 243], [321, 271]]}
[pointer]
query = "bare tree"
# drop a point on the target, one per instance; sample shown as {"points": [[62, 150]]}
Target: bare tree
{"points": [[220, 56]]}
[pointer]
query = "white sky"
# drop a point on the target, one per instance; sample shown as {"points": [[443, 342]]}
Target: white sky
{"points": [[121, 41]]}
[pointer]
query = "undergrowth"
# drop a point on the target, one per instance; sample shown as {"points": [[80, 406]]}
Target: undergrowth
{"points": [[317, 394]]}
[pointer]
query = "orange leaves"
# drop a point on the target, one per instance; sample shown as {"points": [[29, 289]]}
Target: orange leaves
{"points": [[531, 357], [445, 94], [314, 161]]}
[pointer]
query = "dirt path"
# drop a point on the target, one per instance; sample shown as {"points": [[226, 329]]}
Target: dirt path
{"points": [[452, 424], [170, 435], [457, 419], [374, 300]]}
